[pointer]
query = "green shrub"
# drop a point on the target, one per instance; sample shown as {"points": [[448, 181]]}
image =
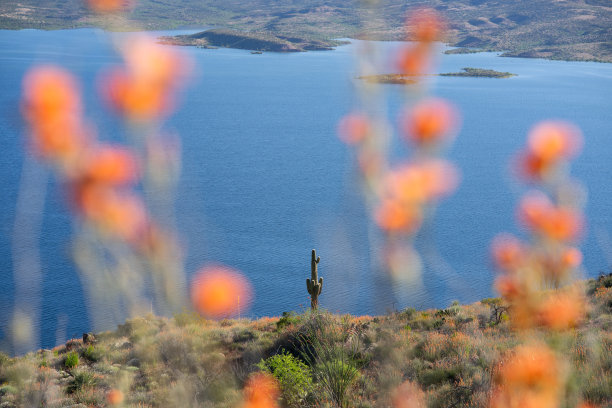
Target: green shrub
{"points": [[5, 360], [93, 354], [437, 376], [438, 323], [8, 389], [187, 317], [81, 380], [288, 319], [72, 360], [408, 313], [294, 377]]}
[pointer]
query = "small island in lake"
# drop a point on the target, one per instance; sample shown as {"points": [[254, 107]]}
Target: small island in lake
{"points": [[402, 79], [479, 72], [255, 41], [405, 79]]}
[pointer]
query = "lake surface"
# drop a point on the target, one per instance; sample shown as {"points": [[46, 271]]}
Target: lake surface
{"points": [[265, 179]]}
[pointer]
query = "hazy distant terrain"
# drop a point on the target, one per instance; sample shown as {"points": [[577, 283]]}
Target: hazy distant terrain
{"points": [[571, 29]]}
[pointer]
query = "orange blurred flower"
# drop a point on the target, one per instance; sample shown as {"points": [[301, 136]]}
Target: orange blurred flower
{"points": [[557, 266], [354, 128], [414, 59], [135, 97], [119, 214], [109, 165], [549, 143], [108, 6], [52, 107], [425, 25], [533, 167], [114, 397], [561, 311], [145, 88], [508, 252], [531, 377], [430, 122], [393, 215], [557, 223], [410, 187], [219, 292], [408, 395], [509, 287], [261, 391], [421, 182], [554, 140], [571, 258]]}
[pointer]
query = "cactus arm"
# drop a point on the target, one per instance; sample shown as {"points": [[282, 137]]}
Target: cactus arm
{"points": [[308, 286], [320, 284]]}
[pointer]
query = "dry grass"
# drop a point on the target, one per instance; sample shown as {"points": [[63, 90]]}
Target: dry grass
{"points": [[450, 354]]}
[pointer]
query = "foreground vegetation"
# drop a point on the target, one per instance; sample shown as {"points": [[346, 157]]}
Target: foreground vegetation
{"points": [[319, 359], [569, 30]]}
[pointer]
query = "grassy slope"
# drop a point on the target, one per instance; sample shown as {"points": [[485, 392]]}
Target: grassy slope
{"points": [[189, 361], [572, 29]]}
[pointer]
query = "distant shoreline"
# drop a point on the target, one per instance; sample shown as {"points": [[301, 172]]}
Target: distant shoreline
{"points": [[453, 51], [568, 54]]}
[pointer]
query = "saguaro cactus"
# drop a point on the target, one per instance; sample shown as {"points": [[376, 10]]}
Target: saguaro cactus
{"points": [[314, 288]]}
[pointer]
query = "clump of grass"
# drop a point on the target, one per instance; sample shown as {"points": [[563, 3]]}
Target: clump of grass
{"points": [[329, 350], [93, 354], [81, 380], [71, 360]]}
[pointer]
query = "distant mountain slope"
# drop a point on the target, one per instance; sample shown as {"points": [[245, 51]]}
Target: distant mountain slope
{"points": [[561, 29]]}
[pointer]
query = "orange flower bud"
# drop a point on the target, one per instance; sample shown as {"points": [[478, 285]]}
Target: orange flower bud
{"points": [[110, 166], [508, 287], [571, 258], [220, 292], [114, 397], [52, 106], [556, 223], [261, 391], [145, 89], [430, 122], [561, 311], [425, 25], [108, 6], [508, 252], [419, 183], [531, 377], [119, 214], [354, 128], [414, 59], [532, 166], [408, 395], [134, 97], [554, 140], [393, 215]]}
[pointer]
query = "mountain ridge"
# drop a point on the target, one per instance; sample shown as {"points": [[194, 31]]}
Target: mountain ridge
{"points": [[568, 30]]}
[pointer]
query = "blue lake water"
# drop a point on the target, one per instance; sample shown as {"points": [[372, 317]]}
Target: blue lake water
{"points": [[265, 179]]}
